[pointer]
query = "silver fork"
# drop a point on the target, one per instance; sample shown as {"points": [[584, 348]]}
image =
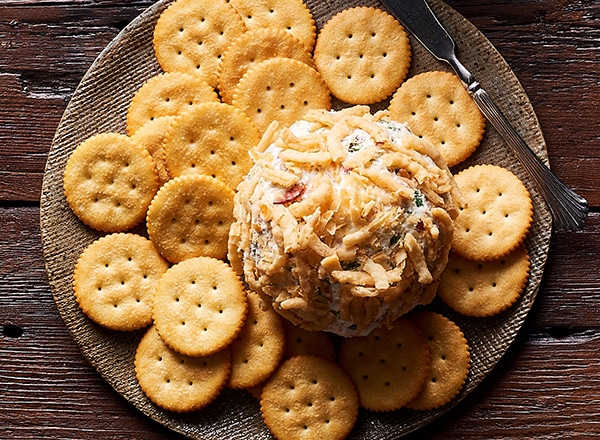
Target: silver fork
{"points": [[567, 208]]}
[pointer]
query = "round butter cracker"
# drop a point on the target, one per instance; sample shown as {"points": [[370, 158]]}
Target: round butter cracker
{"points": [[389, 367], [450, 360], [115, 278], [259, 347], [199, 306], [176, 382], [192, 35], [363, 54], [109, 181], [190, 216], [309, 397], [484, 288], [212, 139], [280, 89], [497, 216], [437, 107]]}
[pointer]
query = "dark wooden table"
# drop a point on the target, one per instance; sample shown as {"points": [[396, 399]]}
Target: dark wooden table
{"points": [[546, 386]]}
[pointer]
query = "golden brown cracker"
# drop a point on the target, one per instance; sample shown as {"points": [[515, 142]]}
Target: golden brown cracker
{"points": [[449, 360], [259, 347], [437, 107], [281, 89], [212, 139], [199, 306], [192, 35], [190, 216], [305, 342], [252, 47], [497, 215], [115, 278], [176, 382], [152, 136], [109, 181], [484, 288], [167, 94], [363, 54], [389, 366], [309, 397], [291, 15]]}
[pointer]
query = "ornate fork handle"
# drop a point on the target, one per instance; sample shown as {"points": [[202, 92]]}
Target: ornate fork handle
{"points": [[567, 208]]}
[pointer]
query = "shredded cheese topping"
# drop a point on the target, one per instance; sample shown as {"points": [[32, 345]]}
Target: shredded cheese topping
{"points": [[345, 220]]}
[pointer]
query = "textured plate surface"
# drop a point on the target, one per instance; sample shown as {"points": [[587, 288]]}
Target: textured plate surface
{"points": [[100, 104]]}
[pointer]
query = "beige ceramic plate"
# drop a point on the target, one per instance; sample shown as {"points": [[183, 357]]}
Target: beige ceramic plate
{"points": [[100, 104]]}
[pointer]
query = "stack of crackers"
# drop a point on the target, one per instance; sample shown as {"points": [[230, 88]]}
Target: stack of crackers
{"points": [[230, 69]]}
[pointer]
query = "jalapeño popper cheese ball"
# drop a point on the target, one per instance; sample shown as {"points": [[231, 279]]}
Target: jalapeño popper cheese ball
{"points": [[345, 220]]}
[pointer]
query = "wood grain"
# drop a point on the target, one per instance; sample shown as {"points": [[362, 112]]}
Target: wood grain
{"points": [[546, 385]]}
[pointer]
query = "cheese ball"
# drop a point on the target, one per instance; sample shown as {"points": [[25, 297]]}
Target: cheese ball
{"points": [[345, 220]]}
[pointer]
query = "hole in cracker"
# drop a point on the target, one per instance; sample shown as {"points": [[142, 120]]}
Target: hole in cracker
{"points": [[349, 35], [373, 34], [305, 102], [387, 384], [258, 110]]}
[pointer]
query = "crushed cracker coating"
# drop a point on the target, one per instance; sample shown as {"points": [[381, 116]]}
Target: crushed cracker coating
{"points": [[345, 221]]}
